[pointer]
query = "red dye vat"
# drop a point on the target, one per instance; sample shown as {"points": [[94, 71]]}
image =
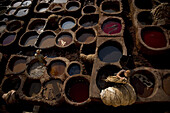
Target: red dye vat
{"points": [[154, 39], [112, 27], [79, 92]]}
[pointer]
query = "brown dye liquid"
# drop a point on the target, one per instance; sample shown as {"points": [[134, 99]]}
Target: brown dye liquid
{"points": [[31, 40], [19, 65], [22, 12], [52, 90], [8, 39], [110, 54], [86, 37], [57, 68], [35, 88], [141, 89], [166, 85], [47, 41], [64, 40]]}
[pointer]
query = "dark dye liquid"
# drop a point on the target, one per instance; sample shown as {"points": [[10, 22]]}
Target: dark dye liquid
{"points": [[64, 40], [52, 90], [73, 8], [74, 69], [79, 92], [110, 54], [154, 39], [13, 26], [26, 3], [8, 39], [68, 25], [22, 12], [86, 37], [47, 41], [19, 65], [111, 27], [140, 88], [31, 40], [37, 26], [16, 4], [35, 88], [57, 68]]}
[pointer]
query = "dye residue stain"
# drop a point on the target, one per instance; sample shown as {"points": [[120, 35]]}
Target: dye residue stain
{"points": [[74, 69], [57, 68], [68, 25], [9, 39], [86, 37], [22, 12], [111, 27], [19, 65], [154, 39], [47, 41], [79, 92], [64, 40], [110, 54], [31, 40], [35, 88], [37, 70], [52, 90]]}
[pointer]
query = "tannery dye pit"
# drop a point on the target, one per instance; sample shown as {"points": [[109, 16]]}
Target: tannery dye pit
{"points": [[92, 54]]}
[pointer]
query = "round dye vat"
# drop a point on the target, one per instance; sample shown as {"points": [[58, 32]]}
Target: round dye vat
{"points": [[89, 9], [145, 18], [103, 73], [13, 26], [64, 40], [52, 90], [46, 41], [19, 65], [26, 3], [109, 54], [11, 83], [16, 4], [37, 25], [57, 68], [68, 25], [11, 11], [31, 40], [166, 84], [36, 70], [111, 27], [74, 69], [89, 20], [111, 6], [31, 88], [9, 39], [143, 83], [86, 37], [22, 12], [78, 90], [154, 38]]}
